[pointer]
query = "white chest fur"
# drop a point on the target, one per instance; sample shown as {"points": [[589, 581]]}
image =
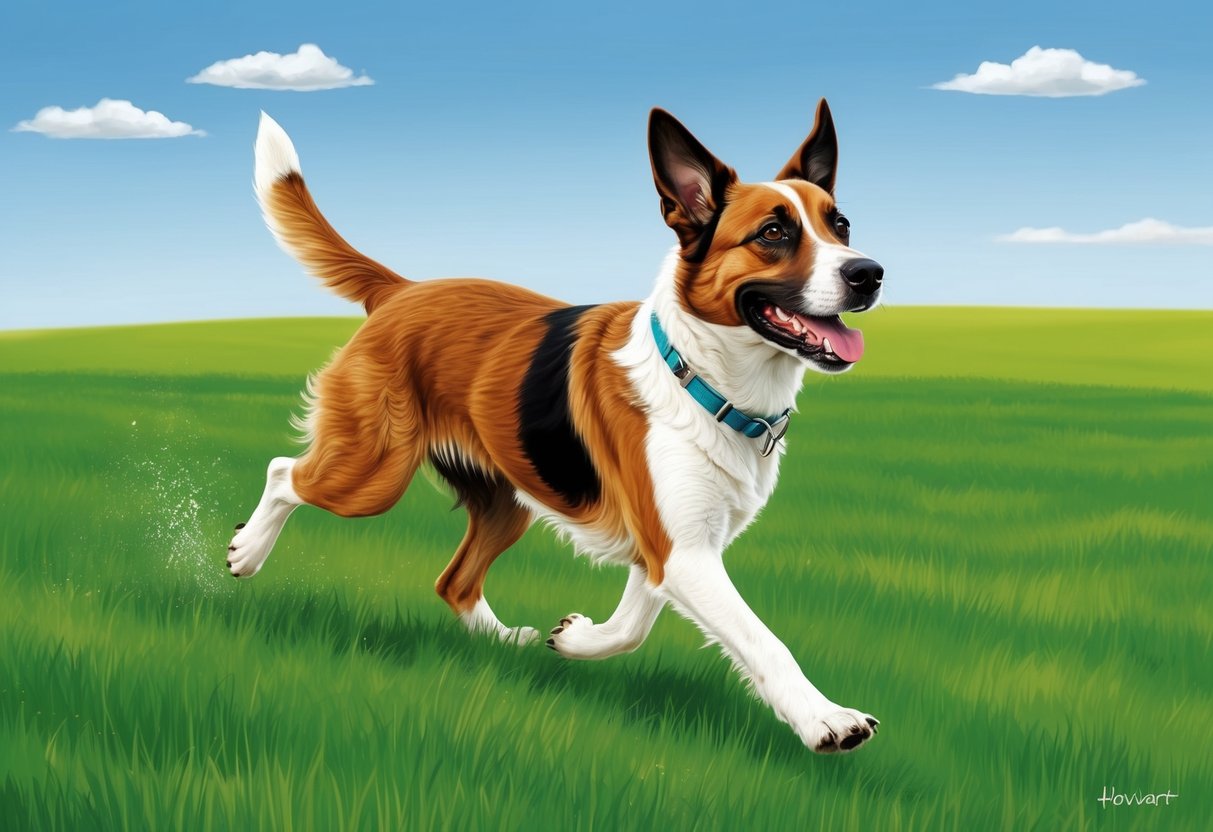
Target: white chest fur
{"points": [[709, 480]]}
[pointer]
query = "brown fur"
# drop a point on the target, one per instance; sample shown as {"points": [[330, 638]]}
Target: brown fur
{"points": [[307, 234], [404, 387], [492, 529]]}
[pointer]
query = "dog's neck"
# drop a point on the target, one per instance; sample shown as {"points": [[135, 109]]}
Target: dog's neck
{"points": [[737, 361]]}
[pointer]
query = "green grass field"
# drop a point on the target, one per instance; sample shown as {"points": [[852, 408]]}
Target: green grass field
{"points": [[1001, 544]]}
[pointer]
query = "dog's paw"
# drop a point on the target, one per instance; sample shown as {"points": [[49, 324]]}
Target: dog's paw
{"points": [[563, 638], [246, 553], [838, 731], [521, 636]]}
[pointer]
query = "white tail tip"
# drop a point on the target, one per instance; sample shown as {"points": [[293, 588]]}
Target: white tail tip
{"points": [[275, 156]]}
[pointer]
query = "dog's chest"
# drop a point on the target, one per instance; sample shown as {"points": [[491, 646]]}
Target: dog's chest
{"points": [[709, 485]]}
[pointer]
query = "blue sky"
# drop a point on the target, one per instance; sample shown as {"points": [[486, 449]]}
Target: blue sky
{"points": [[507, 141]]}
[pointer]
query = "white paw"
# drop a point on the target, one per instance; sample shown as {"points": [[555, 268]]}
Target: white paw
{"points": [[247, 552], [480, 620], [520, 635], [569, 635], [838, 731]]}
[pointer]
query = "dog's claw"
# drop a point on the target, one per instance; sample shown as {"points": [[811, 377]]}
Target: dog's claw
{"points": [[872, 721], [551, 642], [239, 526]]}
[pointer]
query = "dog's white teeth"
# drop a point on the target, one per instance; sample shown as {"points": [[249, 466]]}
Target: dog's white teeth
{"points": [[825, 343], [797, 325], [782, 314]]}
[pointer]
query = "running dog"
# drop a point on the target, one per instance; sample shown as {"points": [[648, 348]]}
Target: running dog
{"points": [[650, 433]]}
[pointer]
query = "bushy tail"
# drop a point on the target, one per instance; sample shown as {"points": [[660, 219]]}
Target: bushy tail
{"points": [[302, 230]]}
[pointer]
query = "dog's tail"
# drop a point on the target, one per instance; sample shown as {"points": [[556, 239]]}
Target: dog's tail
{"points": [[302, 230]]}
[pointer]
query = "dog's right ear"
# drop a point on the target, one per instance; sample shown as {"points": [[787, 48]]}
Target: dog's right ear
{"points": [[690, 180]]}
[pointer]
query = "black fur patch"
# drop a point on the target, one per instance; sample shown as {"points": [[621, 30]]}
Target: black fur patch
{"points": [[545, 421], [474, 487]]}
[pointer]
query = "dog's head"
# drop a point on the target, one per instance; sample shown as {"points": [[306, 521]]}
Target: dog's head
{"points": [[776, 256]]}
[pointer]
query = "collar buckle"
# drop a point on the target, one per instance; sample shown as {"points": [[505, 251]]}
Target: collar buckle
{"points": [[683, 373], [774, 431]]}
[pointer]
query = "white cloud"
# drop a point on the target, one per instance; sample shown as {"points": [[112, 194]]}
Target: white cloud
{"points": [[1143, 232], [305, 70], [109, 119], [1047, 73]]}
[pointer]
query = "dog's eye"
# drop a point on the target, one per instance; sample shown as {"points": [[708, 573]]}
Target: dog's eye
{"points": [[773, 232], [842, 227]]}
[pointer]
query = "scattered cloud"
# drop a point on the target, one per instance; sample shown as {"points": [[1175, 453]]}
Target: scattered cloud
{"points": [[1047, 73], [1143, 232], [305, 70], [109, 119]]}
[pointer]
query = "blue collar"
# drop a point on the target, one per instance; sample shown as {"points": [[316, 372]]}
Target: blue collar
{"points": [[771, 429]]}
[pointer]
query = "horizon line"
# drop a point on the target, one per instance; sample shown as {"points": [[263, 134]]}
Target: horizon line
{"points": [[10, 331]]}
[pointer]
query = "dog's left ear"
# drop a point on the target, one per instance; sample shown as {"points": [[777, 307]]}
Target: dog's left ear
{"points": [[690, 180], [817, 159]]}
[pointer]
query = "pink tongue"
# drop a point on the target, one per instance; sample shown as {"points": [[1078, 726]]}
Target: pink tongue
{"points": [[847, 343]]}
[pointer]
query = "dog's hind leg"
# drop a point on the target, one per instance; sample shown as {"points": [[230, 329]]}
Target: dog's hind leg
{"points": [[577, 637], [254, 539], [366, 430], [495, 522], [364, 451]]}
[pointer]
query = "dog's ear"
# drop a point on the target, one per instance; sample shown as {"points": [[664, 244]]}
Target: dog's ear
{"points": [[690, 180], [817, 159]]}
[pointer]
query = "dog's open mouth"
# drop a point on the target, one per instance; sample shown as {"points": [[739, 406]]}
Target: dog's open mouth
{"points": [[826, 341]]}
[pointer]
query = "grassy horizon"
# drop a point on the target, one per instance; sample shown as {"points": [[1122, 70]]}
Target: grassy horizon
{"points": [[1003, 552], [1117, 347]]}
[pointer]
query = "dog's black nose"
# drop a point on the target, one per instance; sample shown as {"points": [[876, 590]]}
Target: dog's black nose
{"points": [[863, 274]]}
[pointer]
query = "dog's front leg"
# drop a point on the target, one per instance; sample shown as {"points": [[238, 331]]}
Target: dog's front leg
{"points": [[699, 587]]}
